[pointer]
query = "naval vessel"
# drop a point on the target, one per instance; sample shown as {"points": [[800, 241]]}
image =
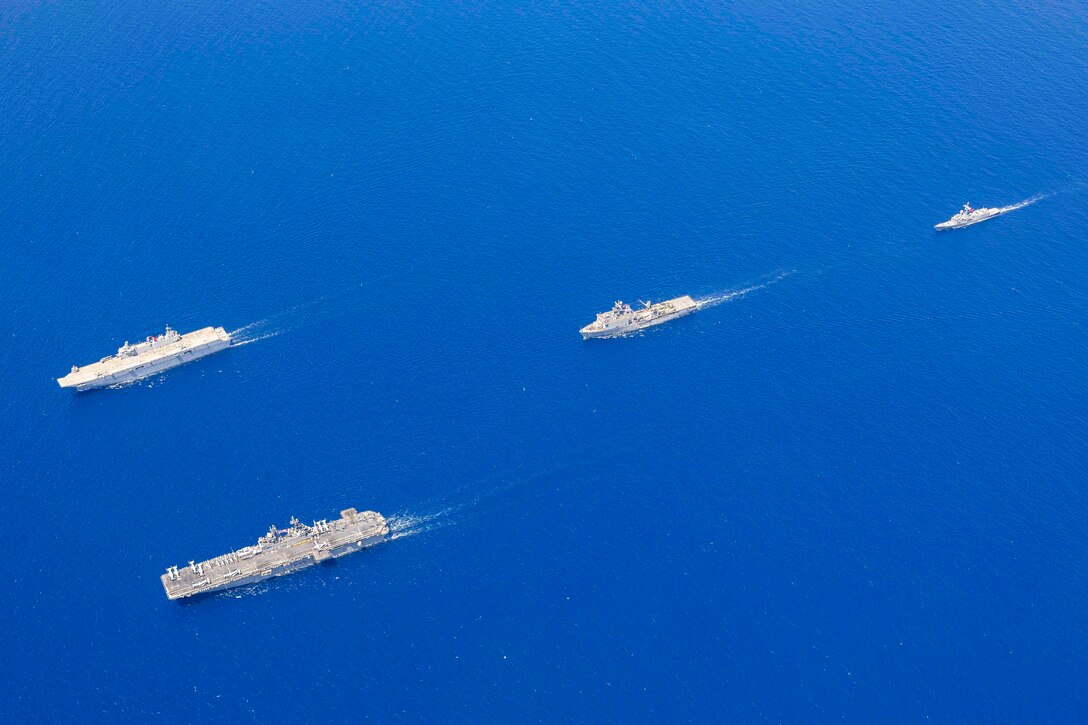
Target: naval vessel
{"points": [[968, 216], [623, 320], [154, 355], [280, 551]]}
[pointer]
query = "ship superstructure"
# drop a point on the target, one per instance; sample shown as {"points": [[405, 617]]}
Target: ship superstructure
{"points": [[154, 355], [967, 216], [622, 319], [279, 552]]}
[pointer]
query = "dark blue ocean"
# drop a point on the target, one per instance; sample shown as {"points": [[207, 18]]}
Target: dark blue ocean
{"points": [[854, 490]]}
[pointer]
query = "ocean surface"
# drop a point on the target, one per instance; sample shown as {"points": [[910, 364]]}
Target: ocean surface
{"points": [[854, 490]]}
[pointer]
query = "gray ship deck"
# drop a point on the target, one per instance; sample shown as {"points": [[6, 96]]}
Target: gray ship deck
{"points": [[281, 551], [117, 369], [622, 320]]}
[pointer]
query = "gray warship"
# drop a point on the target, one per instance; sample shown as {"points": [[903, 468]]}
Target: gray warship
{"points": [[279, 552], [154, 355], [967, 216], [623, 320]]}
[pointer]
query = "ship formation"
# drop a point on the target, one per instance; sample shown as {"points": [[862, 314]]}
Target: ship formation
{"points": [[279, 552], [283, 551], [154, 355], [622, 319]]}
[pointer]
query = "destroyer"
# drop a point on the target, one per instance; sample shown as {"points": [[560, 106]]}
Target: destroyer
{"points": [[623, 320], [154, 355], [968, 216], [280, 551]]}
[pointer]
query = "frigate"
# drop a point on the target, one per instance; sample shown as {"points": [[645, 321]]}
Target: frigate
{"points": [[154, 355], [279, 552], [968, 216], [623, 320]]}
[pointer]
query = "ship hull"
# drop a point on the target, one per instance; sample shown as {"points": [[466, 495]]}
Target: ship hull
{"points": [[278, 553], [634, 327], [306, 562], [114, 372], [949, 226]]}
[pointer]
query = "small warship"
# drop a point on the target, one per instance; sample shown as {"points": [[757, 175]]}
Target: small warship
{"points": [[623, 320], [279, 552], [968, 216], [154, 355]]}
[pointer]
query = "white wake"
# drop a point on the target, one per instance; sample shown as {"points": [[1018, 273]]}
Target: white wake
{"points": [[1022, 204], [239, 340], [720, 297], [405, 524], [301, 315], [452, 507]]}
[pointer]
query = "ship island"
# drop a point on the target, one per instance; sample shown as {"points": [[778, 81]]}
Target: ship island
{"points": [[155, 354], [622, 319], [279, 552]]}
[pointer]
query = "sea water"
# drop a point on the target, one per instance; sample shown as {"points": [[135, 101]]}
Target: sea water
{"points": [[856, 493]]}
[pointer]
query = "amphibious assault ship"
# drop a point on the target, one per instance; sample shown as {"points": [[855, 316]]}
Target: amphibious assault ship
{"points": [[280, 551], [154, 355], [968, 216], [623, 320]]}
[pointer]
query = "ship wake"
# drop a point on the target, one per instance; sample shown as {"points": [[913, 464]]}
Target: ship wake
{"points": [[451, 508], [405, 524], [240, 337], [1022, 204], [301, 315], [729, 295], [278, 323]]}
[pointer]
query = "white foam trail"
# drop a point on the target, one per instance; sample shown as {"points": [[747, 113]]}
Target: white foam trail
{"points": [[239, 340], [439, 512], [276, 324], [405, 524], [1022, 204], [717, 299], [292, 318]]}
